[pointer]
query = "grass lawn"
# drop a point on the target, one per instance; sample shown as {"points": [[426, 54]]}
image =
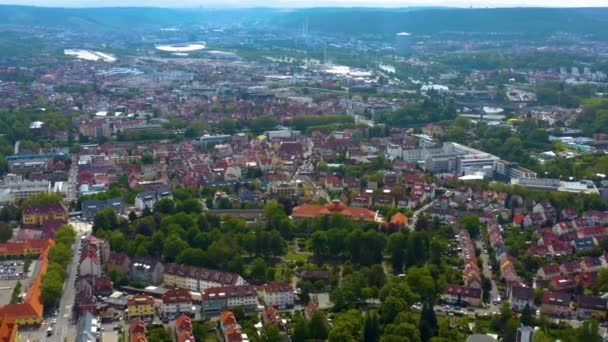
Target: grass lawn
{"points": [[297, 256]]}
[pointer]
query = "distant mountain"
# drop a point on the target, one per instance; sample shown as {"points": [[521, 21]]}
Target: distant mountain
{"points": [[119, 18], [528, 21]]}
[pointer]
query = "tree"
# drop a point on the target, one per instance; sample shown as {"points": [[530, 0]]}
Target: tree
{"points": [[257, 269], [300, 330], [165, 206], [191, 205], [105, 219], [263, 123], [371, 331], [318, 328], [390, 308], [471, 224], [147, 159], [589, 331], [132, 216], [173, 245], [6, 232], [527, 317], [270, 333], [428, 322]]}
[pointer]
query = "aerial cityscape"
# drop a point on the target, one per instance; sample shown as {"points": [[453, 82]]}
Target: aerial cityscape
{"points": [[245, 174]]}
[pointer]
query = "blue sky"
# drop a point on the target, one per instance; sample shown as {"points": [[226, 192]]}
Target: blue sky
{"points": [[309, 3]]}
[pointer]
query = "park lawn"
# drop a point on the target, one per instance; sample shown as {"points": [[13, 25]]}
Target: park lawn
{"points": [[297, 256]]}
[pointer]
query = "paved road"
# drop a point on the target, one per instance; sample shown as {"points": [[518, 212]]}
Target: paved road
{"points": [[65, 327], [72, 180], [412, 223]]}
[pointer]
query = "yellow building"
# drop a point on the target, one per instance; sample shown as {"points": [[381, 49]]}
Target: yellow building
{"points": [[37, 214], [140, 306]]}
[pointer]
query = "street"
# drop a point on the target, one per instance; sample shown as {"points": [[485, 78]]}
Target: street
{"points": [[417, 213], [65, 327]]}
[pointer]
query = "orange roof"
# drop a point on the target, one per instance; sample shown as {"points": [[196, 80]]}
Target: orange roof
{"points": [[399, 220], [138, 338], [183, 323], [227, 318], [32, 307], [335, 207], [31, 246], [185, 336], [8, 330]]}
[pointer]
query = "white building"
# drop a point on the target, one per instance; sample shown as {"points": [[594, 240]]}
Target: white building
{"points": [[279, 295]]}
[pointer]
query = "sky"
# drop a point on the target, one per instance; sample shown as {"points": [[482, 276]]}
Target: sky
{"points": [[309, 3]]}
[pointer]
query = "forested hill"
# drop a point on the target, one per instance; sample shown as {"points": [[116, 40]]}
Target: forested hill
{"points": [[537, 22], [125, 17]]}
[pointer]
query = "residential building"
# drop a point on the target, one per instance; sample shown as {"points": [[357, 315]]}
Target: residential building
{"points": [[138, 331], [87, 328], [176, 301], [22, 189], [462, 295], [90, 208], [147, 199], [591, 307], [521, 296], [216, 299], [89, 263], [147, 270], [197, 278], [230, 328], [279, 294], [119, 261], [271, 315], [556, 304], [140, 307], [183, 329]]}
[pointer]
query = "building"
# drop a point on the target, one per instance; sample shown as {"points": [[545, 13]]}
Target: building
{"points": [[138, 331], [505, 171], [462, 295], [119, 261], [525, 334], [140, 307], [9, 330], [197, 278], [216, 299], [23, 249], [556, 304], [175, 302], [308, 211], [147, 270], [282, 188], [34, 215], [452, 157], [183, 329], [591, 307], [90, 208], [147, 199], [22, 189], [89, 263], [87, 328], [271, 315], [521, 296], [403, 44], [279, 294], [230, 328]]}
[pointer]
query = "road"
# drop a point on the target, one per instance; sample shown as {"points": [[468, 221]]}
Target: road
{"points": [[412, 223], [65, 326], [72, 180], [487, 272]]}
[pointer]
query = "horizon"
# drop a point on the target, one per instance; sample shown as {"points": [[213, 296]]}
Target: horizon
{"points": [[302, 4]]}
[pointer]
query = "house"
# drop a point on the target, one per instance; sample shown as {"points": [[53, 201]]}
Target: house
{"points": [[90, 208], [138, 331], [308, 211], [271, 315], [102, 286], [183, 329], [119, 261], [562, 228], [591, 307], [591, 264], [216, 299], [583, 244], [279, 294], [89, 263], [310, 308], [147, 270], [230, 328], [568, 214], [556, 304], [34, 215], [140, 307], [398, 220], [521, 296], [198, 278], [547, 210], [176, 301], [314, 275], [86, 328], [571, 267], [361, 200], [462, 295], [562, 283], [147, 199]]}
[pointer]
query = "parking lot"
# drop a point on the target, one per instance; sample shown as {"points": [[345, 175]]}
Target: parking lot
{"points": [[11, 270]]}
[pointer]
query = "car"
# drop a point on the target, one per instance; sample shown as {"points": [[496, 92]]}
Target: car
{"points": [[54, 321]]}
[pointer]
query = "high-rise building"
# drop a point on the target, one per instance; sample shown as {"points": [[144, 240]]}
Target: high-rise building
{"points": [[403, 44]]}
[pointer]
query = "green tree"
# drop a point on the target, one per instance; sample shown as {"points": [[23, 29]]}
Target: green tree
{"points": [[257, 269], [270, 333], [371, 331], [318, 328], [105, 219], [165, 206]]}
